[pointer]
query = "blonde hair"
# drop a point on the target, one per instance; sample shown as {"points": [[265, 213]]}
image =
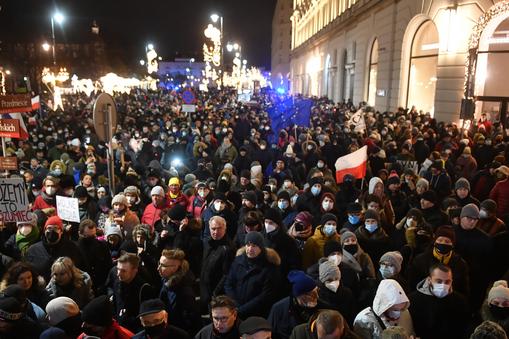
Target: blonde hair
{"points": [[66, 264], [177, 254]]}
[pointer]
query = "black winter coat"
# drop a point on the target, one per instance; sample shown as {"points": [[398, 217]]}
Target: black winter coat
{"points": [[286, 314], [342, 301], [253, 283], [97, 260], [287, 249]]}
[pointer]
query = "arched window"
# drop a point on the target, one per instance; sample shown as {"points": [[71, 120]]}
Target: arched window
{"points": [[373, 70], [423, 68]]}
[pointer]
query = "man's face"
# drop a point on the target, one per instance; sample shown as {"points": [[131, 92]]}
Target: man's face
{"points": [[244, 181], [441, 277], [462, 193], [217, 230], [157, 199], [168, 267], [252, 250], [223, 319], [174, 189], [425, 204], [468, 223], [126, 272]]}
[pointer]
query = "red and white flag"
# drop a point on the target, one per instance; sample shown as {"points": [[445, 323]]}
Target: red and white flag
{"points": [[354, 163], [23, 131], [36, 104]]}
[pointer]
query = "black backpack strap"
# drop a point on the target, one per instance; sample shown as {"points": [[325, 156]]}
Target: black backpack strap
{"points": [[380, 321]]}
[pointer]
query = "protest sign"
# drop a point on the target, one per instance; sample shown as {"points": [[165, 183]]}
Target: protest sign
{"points": [[13, 200], [68, 209]]}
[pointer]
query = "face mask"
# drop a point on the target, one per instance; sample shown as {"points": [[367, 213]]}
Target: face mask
{"points": [[332, 285], [51, 237], [371, 227], [218, 206], [155, 331], [387, 271], [315, 190], [282, 204], [327, 206], [352, 248], [499, 312], [394, 314], [411, 222], [50, 190], [335, 259], [202, 194], [329, 230], [25, 230], [269, 228], [57, 172], [483, 214], [443, 248], [440, 290], [354, 219]]}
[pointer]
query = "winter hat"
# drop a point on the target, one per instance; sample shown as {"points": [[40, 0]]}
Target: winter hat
{"points": [[274, 215], [283, 195], [415, 213], [157, 190], [345, 235], [449, 202], [395, 332], [245, 174], [467, 150], [10, 309], [119, 199], [354, 207], [393, 178], [255, 238], [430, 196], [304, 217], [422, 183], [151, 306], [98, 312], [190, 177], [54, 221], [446, 231], [61, 308], [332, 246], [327, 271], [471, 211], [174, 181], [177, 212], [315, 180], [489, 205], [80, 192], [328, 217], [220, 196], [462, 183], [301, 282], [250, 196], [499, 290], [114, 230], [394, 258], [371, 214], [253, 325], [132, 190]]}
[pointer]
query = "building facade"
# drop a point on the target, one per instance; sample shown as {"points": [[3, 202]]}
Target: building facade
{"points": [[402, 53], [281, 44]]}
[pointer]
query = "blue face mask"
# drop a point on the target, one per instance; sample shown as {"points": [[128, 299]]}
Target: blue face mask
{"points": [[329, 230], [315, 190], [282, 205], [354, 219], [371, 227]]}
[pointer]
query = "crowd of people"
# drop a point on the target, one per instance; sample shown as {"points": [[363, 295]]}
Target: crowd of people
{"points": [[218, 226]]}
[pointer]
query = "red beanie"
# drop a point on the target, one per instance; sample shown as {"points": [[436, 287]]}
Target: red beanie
{"points": [[55, 221]]}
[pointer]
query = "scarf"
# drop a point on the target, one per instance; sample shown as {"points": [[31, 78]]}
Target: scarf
{"points": [[24, 241], [443, 258]]}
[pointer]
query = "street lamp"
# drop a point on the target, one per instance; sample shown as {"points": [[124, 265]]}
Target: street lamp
{"points": [[46, 46], [150, 46], [215, 17], [59, 18]]}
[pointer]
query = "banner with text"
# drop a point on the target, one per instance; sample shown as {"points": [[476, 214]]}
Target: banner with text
{"points": [[9, 128], [13, 200], [68, 209], [15, 103]]}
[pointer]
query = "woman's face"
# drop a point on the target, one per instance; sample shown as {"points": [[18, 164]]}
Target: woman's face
{"points": [[25, 280], [62, 277], [87, 181]]}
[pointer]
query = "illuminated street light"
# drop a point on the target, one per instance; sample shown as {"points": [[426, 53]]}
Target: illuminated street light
{"points": [[142, 62], [214, 17], [46, 46], [8, 72], [150, 46], [59, 18], [229, 47]]}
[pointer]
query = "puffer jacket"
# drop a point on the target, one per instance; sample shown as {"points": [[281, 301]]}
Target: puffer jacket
{"points": [[371, 321], [313, 248]]}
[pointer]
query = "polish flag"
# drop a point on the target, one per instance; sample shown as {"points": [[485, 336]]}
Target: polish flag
{"points": [[36, 104], [354, 163]]}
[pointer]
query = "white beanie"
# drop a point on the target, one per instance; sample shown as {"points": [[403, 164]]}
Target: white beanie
{"points": [[119, 199], [499, 290], [61, 308], [157, 190]]}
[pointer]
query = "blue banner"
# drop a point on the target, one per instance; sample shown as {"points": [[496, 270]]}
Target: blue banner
{"points": [[289, 111]]}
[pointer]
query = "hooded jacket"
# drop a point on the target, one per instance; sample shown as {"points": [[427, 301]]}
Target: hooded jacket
{"points": [[368, 323]]}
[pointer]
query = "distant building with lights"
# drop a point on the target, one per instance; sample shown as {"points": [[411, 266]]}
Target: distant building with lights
{"points": [[431, 54], [182, 69], [281, 44]]}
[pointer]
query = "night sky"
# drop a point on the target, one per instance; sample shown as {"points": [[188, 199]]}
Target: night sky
{"points": [[174, 27]]}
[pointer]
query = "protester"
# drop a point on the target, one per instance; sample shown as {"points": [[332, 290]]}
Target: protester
{"points": [[225, 320]]}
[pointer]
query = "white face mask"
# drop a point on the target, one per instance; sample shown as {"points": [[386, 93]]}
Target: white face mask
{"points": [[218, 206], [440, 290], [411, 222], [332, 285], [394, 314], [50, 190], [483, 214], [327, 206], [335, 259], [387, 271], [269, 227]]}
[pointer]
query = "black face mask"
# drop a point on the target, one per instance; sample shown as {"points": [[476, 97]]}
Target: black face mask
{"points": [[352, 248], [499, 312], [51, 237], [155, 331], [443, 248]]}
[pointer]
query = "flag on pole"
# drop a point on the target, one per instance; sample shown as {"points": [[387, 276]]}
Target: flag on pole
{"points": [[23, 132], [358, 121], [354, 163], [36, 104]]}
